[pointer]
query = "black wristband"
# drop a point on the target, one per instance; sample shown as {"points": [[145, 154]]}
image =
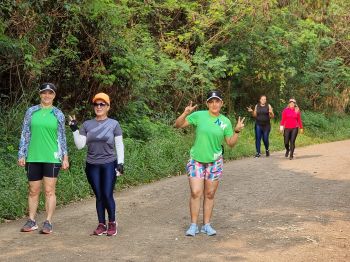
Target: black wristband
{"points": [[73, 125], [120, 168]]}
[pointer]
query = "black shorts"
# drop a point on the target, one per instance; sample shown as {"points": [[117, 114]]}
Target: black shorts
{"points": [[36, 171]]}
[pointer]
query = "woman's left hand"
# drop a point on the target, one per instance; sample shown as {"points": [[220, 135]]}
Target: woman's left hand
{"points": [[301, 131], [240, 124], [65, 164]]}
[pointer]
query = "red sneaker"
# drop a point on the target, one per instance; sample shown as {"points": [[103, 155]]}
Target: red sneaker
{"points": [[100, 230], [112, 229]]}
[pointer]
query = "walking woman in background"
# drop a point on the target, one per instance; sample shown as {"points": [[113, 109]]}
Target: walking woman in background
{"points": [[290, 125], [262, 113], [206, 164], [43, 152], [104, 161]]}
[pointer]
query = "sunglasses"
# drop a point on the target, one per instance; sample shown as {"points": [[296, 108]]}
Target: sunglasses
{"points": [[99, 104]]}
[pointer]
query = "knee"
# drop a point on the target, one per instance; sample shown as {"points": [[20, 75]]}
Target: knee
{"points": [[210, 195], [34, 192], [107, 196], [99, 197], [195, 194], [49, 192]]}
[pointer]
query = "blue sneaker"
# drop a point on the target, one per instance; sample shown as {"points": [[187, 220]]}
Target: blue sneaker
{"points": [[207, 229], [47, 228], [29, 226], [192, 230]]}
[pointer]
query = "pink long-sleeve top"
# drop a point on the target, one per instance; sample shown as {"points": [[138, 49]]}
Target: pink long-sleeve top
{"points": [[291, 118]]}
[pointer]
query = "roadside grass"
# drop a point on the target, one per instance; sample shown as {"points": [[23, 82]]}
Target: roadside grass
{"points": [[164, 154]]}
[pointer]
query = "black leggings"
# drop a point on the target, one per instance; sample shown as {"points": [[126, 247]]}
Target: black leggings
{"points": [[102, 179], [290, 135]]}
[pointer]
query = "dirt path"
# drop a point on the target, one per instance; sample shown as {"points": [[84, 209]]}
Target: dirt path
{"points": [[266, 210]]}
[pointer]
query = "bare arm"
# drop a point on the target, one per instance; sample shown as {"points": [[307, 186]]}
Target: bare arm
{"points": [[231, 141], [181, 121], [271, 114], [254, 112]]}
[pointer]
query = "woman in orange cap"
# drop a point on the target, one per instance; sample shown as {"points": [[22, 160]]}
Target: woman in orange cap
{"points": [[104, 161]]}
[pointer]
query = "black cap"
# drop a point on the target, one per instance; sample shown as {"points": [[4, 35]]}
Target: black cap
{"points": [[214, 94], [47, 86]]}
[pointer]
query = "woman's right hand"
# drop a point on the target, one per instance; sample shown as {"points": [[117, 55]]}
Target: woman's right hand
{"points": [[73, 123], [250, 110], [281, 129], [189, 109], [21, 162]]}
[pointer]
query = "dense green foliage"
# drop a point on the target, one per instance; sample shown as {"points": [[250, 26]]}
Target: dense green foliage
{"points": [[152, 57]]}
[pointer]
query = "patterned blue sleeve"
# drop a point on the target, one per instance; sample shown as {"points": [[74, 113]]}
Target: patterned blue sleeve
{"points": [[25, 135], [62, 141]]}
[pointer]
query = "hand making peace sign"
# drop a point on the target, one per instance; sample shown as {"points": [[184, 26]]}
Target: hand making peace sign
{"points": [[190, 108], [240, 124]]}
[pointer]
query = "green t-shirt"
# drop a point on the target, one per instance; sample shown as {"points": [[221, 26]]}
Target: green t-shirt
{"points": [[210, 132], [43, 145]]}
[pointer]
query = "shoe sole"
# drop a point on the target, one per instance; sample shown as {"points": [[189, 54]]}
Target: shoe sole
{"points": [[208, 234], [46, 232], [205, 232], [110, 235], [190, 235], [29, 229], [101, 234]]}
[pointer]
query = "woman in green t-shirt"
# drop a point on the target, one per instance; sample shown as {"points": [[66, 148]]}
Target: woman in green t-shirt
{"points": [[206, 163], [43, 152]]}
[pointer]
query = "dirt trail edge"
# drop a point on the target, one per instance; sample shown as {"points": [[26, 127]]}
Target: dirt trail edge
{"points": [[267, 209]]}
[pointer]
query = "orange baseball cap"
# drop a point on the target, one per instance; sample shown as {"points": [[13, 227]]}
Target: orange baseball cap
{"points": [[101, 96]]}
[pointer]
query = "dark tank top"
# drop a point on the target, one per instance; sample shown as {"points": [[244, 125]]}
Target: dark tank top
{"points": [[262, 115]]}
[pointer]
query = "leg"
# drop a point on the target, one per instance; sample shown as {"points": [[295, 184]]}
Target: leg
{"points": [[50, 196], [196, 172], [212, 178], [33, 198], [210, 188], [286, 135], [196, 186], [35, 173], [294, 134], [108, 180], [50, 173], [93, 174], [266, 133], [258, 133]]}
